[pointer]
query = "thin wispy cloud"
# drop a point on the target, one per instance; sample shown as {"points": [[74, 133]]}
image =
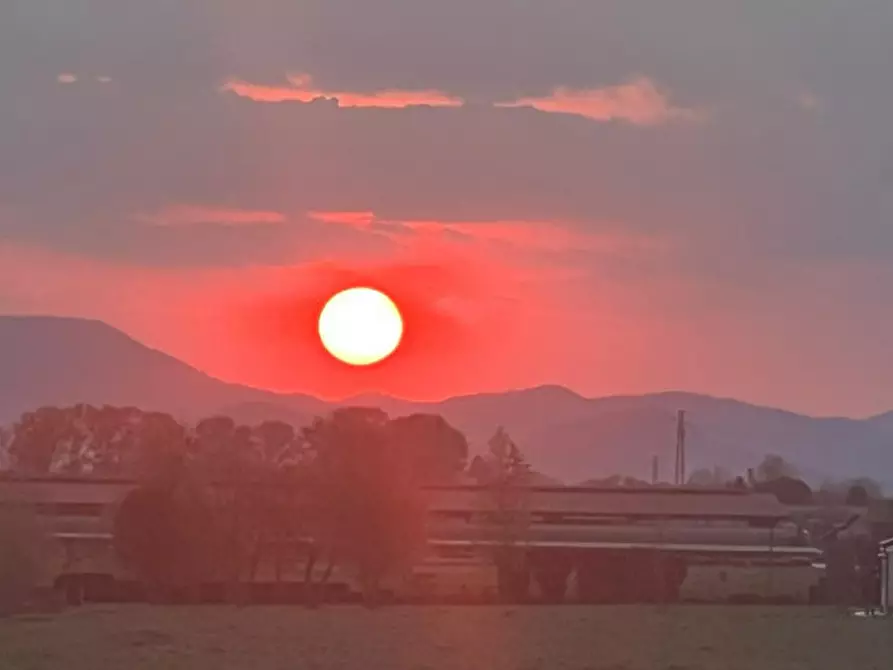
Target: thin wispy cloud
{"points": [[353, 219], [546, 236], [185, 215], [71, 78], [538, 236], [639, 102], [300, 89]]}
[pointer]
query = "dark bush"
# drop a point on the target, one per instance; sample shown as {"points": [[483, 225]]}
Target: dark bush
{"points": [[788, 490], [23, 556], [857, 496]]}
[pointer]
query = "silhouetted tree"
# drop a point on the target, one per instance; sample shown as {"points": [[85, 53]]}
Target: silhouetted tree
{"points": [[83, 439], [234, 456], [274, 499], [367, 509], [872, 487], [245, 477], [503, 463], [277, 443], [773, 467], [788, 490], [222, 448], [834, 493], [507, 479], [23, 556], [125, 441], [159, 445], [436, 450], [166, 533], [36, 436], [281, 514], [857, 496]]}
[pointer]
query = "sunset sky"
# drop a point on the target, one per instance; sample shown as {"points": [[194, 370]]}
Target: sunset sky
{"points": [[617, 196]]}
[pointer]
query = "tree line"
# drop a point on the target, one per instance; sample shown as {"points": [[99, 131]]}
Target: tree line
{"points": [[776, 475], [218, 500], [129, 442]]}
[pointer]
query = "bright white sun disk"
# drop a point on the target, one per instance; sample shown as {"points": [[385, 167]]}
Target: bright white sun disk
{"points": [[360, 326]]}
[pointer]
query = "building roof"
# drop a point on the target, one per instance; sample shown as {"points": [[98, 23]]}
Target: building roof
{"points": [[64, 490], [556, 500], [621, 502]]}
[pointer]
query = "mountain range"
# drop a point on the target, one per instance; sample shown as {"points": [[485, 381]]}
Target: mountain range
{"points": [[63, 361]]}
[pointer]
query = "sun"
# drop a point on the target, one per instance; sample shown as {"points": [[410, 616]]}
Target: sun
{"points": [[360, 326]]}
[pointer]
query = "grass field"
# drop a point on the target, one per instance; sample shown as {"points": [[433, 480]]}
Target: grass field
{"points": [[137, 637]]}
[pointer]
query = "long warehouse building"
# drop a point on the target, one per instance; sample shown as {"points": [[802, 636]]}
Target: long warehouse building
{"points": [[595, 545]]}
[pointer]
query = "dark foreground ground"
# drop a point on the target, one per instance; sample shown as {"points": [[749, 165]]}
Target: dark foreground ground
{"points": [[137, 637]]}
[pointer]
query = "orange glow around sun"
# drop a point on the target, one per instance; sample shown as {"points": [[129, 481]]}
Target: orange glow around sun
{"points": [[360, 326]]}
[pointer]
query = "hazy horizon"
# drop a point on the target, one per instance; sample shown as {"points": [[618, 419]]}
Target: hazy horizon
{"points": [[545, 385], [616, 198]]}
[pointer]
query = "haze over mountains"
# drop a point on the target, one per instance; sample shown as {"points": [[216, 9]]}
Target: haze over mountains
{"points": [[62, 361]]}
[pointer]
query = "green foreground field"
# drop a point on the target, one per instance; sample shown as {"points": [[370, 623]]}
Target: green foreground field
{"points": [[139, 637]]}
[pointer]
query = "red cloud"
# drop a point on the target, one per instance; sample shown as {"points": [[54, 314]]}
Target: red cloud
{"points": [[302, 90], [353, 219], [539, 235], [545, 236], [181, 215], [639, 102]]}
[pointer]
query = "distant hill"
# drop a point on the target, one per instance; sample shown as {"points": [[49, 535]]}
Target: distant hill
{"points": [[63, 361], [574, 438], [883, 422], [59, 361]]}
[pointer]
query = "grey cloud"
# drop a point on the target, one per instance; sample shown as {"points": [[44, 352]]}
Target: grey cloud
{"points": [[762, 174]]}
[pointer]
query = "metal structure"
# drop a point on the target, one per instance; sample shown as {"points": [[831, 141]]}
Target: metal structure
{"points": [[885, 557], [679, 474]]}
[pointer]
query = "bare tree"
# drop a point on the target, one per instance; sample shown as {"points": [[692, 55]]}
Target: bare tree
{"points": [[507, 477]]}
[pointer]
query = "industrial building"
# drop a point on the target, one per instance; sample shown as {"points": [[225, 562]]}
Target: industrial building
{"points": [[585, 544]]}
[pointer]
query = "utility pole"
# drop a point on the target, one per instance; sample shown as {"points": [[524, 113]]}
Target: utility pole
{"points": [[680, 448], [655, 468]]}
